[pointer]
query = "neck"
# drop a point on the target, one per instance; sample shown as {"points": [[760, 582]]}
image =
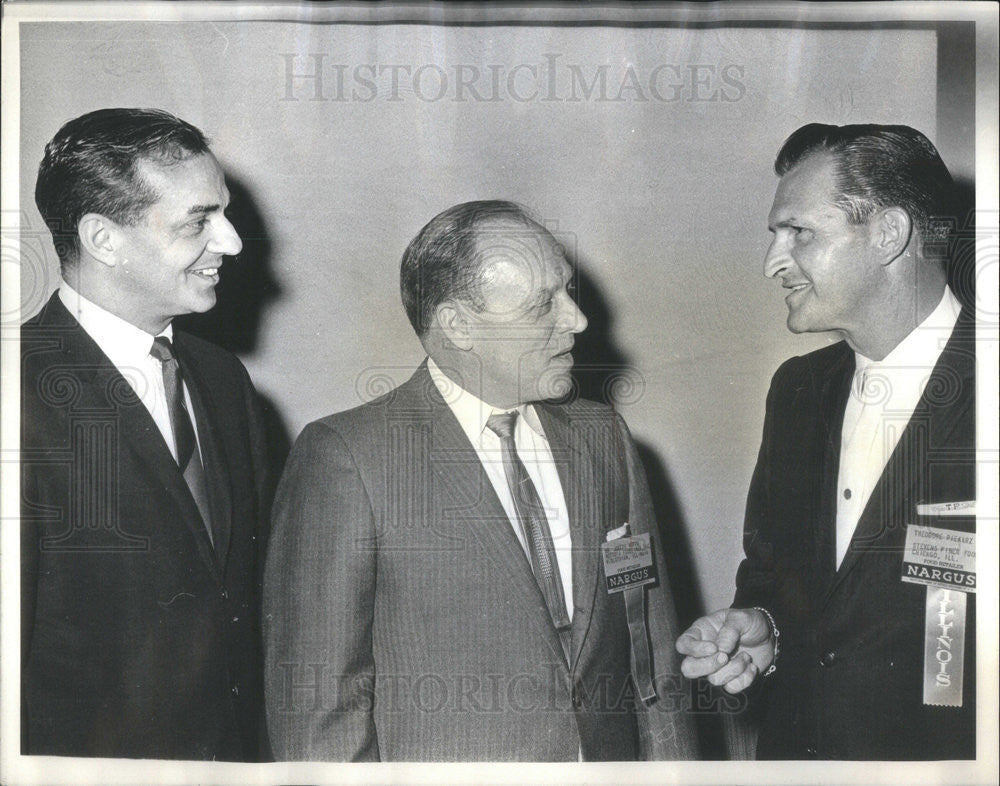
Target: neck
{"points": [[92, 287], [470, 377], [897, 317]]}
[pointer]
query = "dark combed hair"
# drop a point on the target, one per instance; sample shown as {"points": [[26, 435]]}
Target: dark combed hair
{"points": [[443, 261], [879, 166], [91, 166]]}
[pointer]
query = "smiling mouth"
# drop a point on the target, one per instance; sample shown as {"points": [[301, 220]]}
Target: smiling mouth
{"points": [[795, 288], [209, 273]]}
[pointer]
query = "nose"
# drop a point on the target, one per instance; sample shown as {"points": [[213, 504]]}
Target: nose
{"points": [[225, 239], [776, 260], [573, 319]]}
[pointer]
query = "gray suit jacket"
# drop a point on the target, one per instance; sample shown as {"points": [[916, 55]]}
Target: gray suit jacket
{"points": [[402, 620]]}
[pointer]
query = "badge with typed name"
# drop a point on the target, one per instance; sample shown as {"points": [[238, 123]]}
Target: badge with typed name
{"points": [[628, 561], [628, 568], [945, 561]]}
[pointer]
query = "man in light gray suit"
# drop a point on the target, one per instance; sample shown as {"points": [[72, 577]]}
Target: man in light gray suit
{"points": [[435, 588]]}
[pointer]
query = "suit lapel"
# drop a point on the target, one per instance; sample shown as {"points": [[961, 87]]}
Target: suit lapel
{"points": [[212, 449], [882, 523], [461, 484], [834, 388], [104, 388], [143, 438], [574, 464]]}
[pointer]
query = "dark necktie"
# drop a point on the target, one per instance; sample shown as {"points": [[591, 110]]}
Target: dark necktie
{"points": [[534, 526], [188, 457]]}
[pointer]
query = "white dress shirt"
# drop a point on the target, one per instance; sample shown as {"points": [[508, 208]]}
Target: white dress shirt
{"points": [[533, 450], [128, 349], [884, 394]]}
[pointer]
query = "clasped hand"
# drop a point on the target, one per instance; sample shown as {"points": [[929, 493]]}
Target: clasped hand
{"points": [[730, 647]]}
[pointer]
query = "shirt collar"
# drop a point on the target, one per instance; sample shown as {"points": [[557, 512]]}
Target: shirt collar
{"points": [[125, 344], [924, 344], [471, 411]]}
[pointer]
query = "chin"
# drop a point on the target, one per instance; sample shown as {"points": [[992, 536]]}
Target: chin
{"points": [[203, 305], [797, 323], [554, 385]]}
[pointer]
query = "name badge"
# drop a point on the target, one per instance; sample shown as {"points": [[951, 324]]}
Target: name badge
{"points": [[965, 508], [628, 562], [940, 558], [945, 561], [628, 567]]}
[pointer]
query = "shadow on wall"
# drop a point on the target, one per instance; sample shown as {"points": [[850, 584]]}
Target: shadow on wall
{"points": [[245, 289], [603, 372], [962, 249]]}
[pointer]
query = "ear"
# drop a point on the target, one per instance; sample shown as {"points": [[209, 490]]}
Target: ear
{"points": [[892, 230], [451, 320], [99, 238]]}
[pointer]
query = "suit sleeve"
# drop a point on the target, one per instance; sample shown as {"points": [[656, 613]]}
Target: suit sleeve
{"points": [[264, 461], [667, 729], [756, 577], [319, 592], [29, 549]]}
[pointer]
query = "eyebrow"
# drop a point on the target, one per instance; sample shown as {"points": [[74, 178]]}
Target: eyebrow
{"points": [[542, 296], [784, 223], [197, 209]]}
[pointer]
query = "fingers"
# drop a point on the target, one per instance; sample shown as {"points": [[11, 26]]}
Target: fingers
{"points": [[744, 680], [691, 642], [736, 675], [699, 639], [709, 645], [728, 638], [739, 628], [692, 668]]}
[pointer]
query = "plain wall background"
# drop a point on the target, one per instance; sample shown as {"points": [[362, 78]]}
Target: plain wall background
{"points": [[662, 203]]}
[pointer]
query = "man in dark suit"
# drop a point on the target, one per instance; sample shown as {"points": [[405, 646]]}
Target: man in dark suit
{"points": [[142, 460], [865, 483], [434, 587]]}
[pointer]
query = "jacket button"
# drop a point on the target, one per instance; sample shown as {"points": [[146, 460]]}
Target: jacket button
{"points": [[575, 696], [812, 753], [225, 594], [828, 659]]}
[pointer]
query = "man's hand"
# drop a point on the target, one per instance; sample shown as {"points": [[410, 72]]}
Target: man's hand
{"points": [[730, 647]]}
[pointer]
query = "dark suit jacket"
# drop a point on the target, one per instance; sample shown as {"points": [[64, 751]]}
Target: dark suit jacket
{"points": [[138, 638], [849, 682], [402, 620]]}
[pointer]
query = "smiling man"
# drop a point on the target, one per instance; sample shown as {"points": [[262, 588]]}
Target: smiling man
{"points": [[853, 601], [434, 588], [142, 460]]}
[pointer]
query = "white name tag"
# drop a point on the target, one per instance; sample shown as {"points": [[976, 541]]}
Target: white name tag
{"points": [[940, 558], [944, 560], [628, 562], [967, 508]]}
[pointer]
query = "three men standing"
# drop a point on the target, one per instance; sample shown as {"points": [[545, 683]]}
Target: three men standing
{"points": [[438, 584]]}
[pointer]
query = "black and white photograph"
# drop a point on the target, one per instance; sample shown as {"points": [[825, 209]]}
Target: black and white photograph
{"points": [[499, 393]]}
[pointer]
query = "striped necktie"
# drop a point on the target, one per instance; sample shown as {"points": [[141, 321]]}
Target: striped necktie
{"points": [[534, 526]]}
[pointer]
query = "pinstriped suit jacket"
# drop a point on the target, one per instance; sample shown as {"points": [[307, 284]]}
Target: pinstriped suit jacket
{"points": [[402, 621]]}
